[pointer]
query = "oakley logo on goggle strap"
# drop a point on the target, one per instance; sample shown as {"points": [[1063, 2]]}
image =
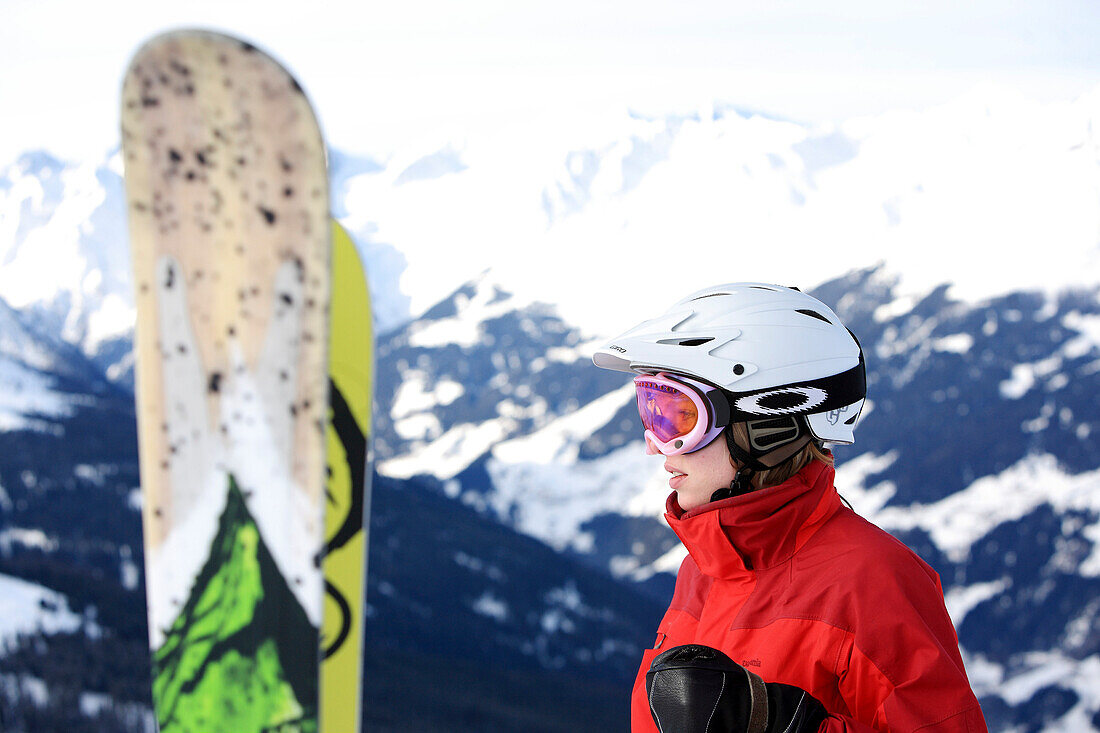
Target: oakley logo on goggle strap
{"points": [[782, 401]]}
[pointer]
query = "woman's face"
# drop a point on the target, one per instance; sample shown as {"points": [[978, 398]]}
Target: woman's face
{"points": [[697, 475]]}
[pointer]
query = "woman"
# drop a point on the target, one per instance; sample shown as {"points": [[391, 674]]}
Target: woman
{"points": [[791, 612]]}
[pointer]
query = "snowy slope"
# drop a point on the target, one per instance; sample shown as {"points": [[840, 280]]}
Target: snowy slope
{"points": [[28, 608], [42, 377]]}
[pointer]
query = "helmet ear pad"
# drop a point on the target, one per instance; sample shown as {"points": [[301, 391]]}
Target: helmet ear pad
{"points": [[767, 442]]}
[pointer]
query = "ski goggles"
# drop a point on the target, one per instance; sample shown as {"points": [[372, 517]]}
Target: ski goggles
{"points": [[680, 415]]}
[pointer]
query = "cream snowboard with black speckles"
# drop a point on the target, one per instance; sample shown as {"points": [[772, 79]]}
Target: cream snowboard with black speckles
{"points": [[228, 204]]}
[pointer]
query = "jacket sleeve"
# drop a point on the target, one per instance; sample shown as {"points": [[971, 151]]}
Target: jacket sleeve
{"points": [[902, 670]]}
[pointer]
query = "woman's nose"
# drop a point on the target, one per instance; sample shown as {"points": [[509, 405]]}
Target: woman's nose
{"points": [[650, 448]]}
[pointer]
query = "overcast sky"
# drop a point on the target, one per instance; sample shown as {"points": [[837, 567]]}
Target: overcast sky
{"points": [[383, 73]]}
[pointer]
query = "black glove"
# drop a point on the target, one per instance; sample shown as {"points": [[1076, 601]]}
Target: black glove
{"points": [[696, 689]]}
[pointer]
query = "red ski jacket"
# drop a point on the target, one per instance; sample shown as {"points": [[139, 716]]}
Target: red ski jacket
{"points": [[801, 590]]}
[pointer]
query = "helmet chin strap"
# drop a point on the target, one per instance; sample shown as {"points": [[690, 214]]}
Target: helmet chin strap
{"points": [[741, 484], [747, 466]]}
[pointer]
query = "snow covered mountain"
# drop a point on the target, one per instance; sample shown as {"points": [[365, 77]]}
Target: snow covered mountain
{"points": [[979, 449], [515, 500]]}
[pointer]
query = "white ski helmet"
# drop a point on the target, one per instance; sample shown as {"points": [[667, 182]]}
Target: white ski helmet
{"points": [[776, 351]]}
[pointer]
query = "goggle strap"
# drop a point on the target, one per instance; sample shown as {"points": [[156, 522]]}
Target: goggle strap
{"points": [[720, 412]]}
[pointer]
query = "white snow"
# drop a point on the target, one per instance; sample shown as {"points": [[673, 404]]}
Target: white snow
{"points": [[560, 441], [24, 392], [93, 474], [129, 572], [851, 479], [463, 329], [1020, 383], [420, 427], [1034, 671], [48, 257], [555, 621], [961, 519], [114, 316], [29, 608], [958, 343], [451, 453], [1090, 566], [548, 493], [92, 704], [413, 395], [1047, 668], [960, 600], [1088, 338], [25, 686], [670, 562], [598, 207], [35, 538], [65, 235], [568, 355], [899, 306], [1024, 376], [538, 481], [488, 604]]}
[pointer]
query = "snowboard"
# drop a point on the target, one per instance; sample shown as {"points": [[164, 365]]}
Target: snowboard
{"points": [[228, 206], [351, 372]]}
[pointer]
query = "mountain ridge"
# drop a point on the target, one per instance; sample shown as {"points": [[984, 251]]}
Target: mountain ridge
{"points": [[515, 501]]}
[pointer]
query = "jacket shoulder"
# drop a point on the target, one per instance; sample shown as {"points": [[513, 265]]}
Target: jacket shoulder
{"points": [[845, 576], [855, 571], [860, 550]]}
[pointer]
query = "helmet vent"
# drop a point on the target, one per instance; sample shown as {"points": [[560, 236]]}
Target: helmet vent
{"points": [[686, 342], [709, 295], [814, 314]]}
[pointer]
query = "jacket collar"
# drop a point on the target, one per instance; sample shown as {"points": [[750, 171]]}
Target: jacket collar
{"points": [[758, 530]]}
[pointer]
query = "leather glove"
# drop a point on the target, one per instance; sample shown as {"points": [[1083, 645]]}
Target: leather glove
{"points": [[697, 689]]}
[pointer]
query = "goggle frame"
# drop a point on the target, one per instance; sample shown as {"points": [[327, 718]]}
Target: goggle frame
{"points": [[712, 413]]}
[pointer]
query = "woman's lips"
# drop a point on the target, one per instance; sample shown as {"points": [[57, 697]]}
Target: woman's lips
{"points": [[677, 476]]}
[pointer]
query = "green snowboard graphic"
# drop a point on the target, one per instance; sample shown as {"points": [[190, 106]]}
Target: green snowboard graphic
{"points": [[218, 668]]}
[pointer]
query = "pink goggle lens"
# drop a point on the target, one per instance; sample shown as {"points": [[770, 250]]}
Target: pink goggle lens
{"points": [[666, 412]]}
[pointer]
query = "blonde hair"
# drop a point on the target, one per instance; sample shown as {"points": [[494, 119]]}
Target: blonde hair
{"points": [[786, 469]]}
